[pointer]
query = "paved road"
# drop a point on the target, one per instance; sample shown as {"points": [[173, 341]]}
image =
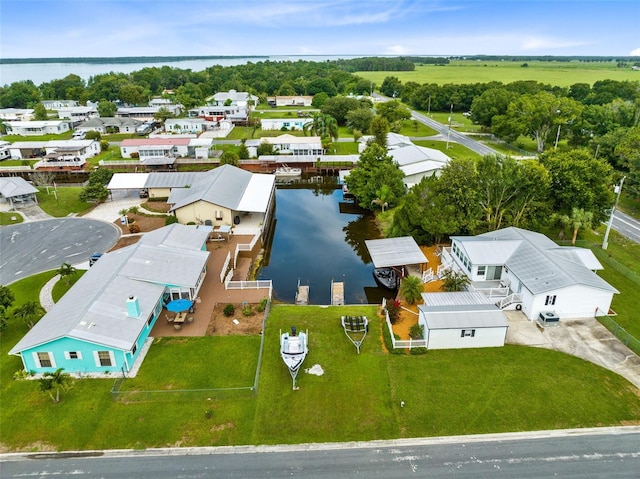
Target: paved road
{"points": [[626, 225], [33, 247], [445, 132], [584, 454]]}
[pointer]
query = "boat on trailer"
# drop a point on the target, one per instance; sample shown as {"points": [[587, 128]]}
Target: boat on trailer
{"points": [[387, 277], [286, 171], [293, 350]]}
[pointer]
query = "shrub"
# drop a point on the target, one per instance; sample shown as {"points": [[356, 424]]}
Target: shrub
{"points": [[229, 310], [417, 351], [134, 228], [262, 306], [393, 308], [247, 310], [416, 331], [169, 220]]}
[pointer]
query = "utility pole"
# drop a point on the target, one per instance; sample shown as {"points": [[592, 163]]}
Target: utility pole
{"points": [[617, 190], [449, 130]]}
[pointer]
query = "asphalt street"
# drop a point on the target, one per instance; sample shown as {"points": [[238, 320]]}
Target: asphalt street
{"points": [[36, 246], [626, 225], [606, 452]]}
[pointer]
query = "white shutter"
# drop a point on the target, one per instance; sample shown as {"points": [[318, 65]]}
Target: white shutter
{"points": [[36, 359], [79, 354], [96, 358], [112, 358], [52, 359], [67, 355]]}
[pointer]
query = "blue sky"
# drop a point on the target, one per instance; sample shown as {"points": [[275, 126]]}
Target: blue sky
{"points": [[52, 28]]}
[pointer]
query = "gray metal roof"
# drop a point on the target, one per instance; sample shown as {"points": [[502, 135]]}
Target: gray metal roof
{"points": [[172, 180], [458, 299], [400, 251], [539, 263], [15, 186], [466, 319], [95, 309], [224, 186]]}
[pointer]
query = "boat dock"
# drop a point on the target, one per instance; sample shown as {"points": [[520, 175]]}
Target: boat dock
{"points": [[302, 295], [337, 293]]}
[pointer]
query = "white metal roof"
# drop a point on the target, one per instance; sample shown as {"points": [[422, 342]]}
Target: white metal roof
{"points": [[400, 251], [257, 194], [126, 181], [466, 319]]}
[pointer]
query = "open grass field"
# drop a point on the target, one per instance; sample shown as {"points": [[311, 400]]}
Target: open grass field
{"points": [[356, 398], [10, 218], [562, 74]]}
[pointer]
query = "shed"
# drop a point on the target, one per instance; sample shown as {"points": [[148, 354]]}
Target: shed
{"points": [[461, 320]]}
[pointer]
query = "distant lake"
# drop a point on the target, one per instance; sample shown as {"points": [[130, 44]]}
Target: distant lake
{"points": [[315, 243], [40, 72]]}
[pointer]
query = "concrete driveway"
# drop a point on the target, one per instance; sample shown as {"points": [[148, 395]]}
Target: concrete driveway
{"points": [[585, 338]]}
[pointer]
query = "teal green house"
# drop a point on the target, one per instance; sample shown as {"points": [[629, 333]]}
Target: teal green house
{"points": [[103, 322]]}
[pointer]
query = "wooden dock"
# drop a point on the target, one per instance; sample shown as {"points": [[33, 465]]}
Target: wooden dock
{"points": [[337, 293], [302, 295]]}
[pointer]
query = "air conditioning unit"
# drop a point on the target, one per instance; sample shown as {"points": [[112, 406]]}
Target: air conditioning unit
{"points": [[548, 318]]}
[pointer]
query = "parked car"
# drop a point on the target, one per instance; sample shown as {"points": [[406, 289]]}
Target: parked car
{"points": [[94, 257], [144, 193]]}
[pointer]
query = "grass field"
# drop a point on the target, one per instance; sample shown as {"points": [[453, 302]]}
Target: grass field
{"points": [[10, 218], [356, 398], [466, 71]]}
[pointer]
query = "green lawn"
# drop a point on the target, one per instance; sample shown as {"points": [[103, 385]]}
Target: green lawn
{"points": [[468, 71], [357, 397], [455, 150], [10, 218], [63, 201], [61, 286]]}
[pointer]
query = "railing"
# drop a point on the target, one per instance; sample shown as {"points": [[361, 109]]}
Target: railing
{"points": [[132, 161], [15, 168], [225, 266], [187, 161], [61, 163], [428, 276], [401, 343], [500, 292], [512, 298], [257, 284]]}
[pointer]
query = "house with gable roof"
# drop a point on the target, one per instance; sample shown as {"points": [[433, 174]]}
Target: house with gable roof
{"points": [[225, 196], [102, 323], [525, 270], [233, 98]]}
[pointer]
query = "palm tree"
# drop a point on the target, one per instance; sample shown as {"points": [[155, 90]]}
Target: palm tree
{"points": [[322, 125], [411, 289], [56, 380], [454, 281], [579, 218], [67, 272], [29, 312], [384, 194]]}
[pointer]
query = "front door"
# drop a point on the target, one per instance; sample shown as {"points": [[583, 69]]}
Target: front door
{"points": [[494, 273]]}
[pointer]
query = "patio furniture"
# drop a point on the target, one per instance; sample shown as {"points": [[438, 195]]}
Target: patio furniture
{"points": [[180, 319], [190, 319], [169, 318], [177, 327]]}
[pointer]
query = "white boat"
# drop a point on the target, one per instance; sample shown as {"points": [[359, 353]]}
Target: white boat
{"points": [[293, 350], [286, 171]]}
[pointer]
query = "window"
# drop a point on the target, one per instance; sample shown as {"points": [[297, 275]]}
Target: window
{"points": [[482, 270], [219, 215], [45, 360], [73, 355], [134, 349], [467, 333], [550, 300], [104, 358]]}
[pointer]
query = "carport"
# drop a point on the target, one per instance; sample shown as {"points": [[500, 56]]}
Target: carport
{"points": [[124, 183]]}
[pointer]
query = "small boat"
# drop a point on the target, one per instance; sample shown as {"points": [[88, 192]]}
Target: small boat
{"points": [[286, 171], [293, 350], [346, 195], [386, 277]]}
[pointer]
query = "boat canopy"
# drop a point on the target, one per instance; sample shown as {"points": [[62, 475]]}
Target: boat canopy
{"points": [[390, 252]]}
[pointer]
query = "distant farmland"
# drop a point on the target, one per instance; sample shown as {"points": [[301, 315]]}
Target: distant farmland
{"points": [[466, 71]]}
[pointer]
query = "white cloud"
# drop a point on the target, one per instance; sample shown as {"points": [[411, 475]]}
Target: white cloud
{"points": [[540, 43], [635, 53], [396, 50]]}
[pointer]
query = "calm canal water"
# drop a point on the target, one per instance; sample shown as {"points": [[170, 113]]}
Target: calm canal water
{"points": [[315, 242]]}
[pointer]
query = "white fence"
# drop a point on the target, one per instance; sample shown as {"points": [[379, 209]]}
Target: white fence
{"points": [[225, 266], [244, 247], [15, 168], [401, 343]]}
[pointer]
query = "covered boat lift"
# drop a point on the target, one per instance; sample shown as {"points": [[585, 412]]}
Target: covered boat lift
{"points": [[396, 253]]}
